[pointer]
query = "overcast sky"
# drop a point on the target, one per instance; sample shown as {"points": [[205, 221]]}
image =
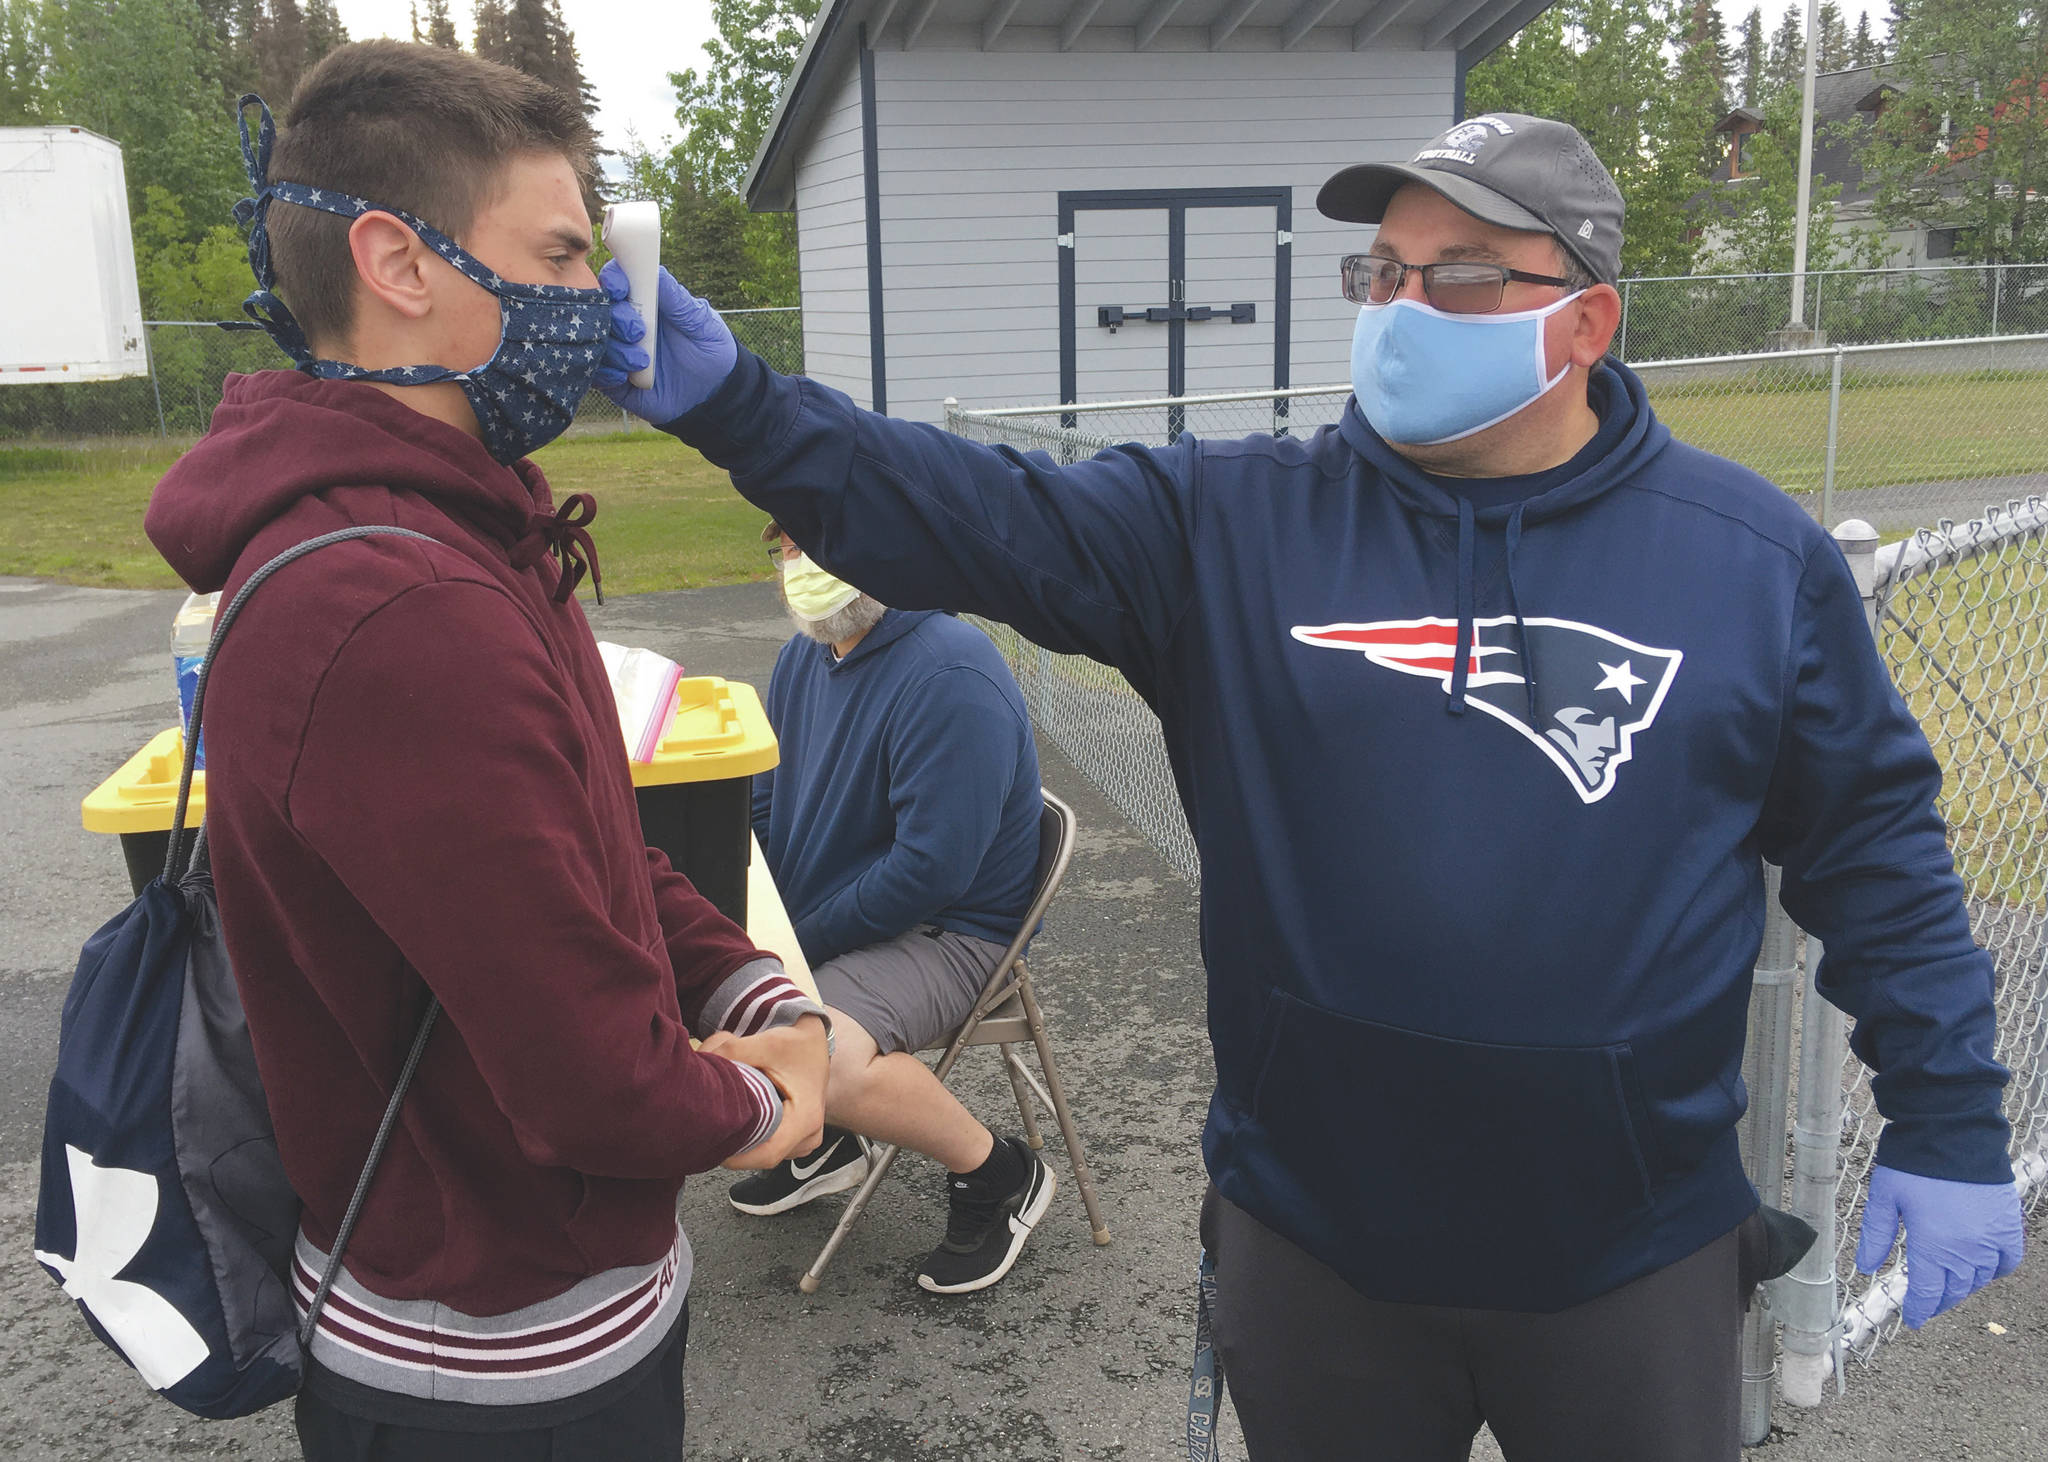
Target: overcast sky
{"points": [[628, 47]]}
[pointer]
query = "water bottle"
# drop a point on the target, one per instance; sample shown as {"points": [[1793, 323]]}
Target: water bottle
{"points": [[191, 632]]}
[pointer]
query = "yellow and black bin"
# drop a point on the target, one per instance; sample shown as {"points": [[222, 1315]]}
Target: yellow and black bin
{"points": [[695, 795]]}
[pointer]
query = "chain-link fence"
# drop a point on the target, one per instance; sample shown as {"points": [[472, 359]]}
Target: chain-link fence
{"points": [[1962, 619], [1897, 435], [1684, 316], [189, 359]]}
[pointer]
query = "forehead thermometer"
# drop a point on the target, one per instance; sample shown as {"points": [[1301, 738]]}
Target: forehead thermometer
{"points": [[632, 231]]}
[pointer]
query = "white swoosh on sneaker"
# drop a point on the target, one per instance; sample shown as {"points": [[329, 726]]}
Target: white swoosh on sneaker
{"points": [[805, 1172]]}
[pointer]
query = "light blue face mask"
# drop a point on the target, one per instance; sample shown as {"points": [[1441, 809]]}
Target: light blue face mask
{"points": [[1424, 377]]}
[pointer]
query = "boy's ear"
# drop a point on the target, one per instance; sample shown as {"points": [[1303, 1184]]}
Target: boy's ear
{"points": [[391, 264]]}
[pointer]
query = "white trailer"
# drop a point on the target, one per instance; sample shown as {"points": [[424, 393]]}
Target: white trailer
{"points": [[71, 310]]}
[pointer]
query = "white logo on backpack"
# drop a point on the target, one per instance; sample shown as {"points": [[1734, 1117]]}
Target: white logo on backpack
{"points": [[116, 1209]]}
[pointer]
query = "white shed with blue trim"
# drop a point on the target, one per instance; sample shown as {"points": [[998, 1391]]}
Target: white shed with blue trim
{"points": [[1011, 201]]}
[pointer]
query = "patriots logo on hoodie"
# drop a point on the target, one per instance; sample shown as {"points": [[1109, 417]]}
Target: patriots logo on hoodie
{"points": [[1594, 689]]}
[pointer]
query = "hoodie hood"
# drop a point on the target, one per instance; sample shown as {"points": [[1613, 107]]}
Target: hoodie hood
{"points": [[1613, 388], [279, 437], [891, 627], [1622, 390]]}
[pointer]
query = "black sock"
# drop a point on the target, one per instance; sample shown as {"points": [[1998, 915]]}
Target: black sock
{"points": [[1000, 1172]]}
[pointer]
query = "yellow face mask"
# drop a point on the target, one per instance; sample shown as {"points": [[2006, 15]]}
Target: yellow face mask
{"points": [[812, 593]]}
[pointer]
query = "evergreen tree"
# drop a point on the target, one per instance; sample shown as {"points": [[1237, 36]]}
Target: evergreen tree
{"points": [[23, 53], [1831, 39], [1864, 49], [280, 50], [1707, 46], [531, 36], [1786, 69], [440, 27], [239, 72], [1700, 80], [1753, 59], [491, 37], [1894, 26], [324, 30]]}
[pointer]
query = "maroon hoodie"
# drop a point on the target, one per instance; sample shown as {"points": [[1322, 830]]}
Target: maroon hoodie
{"points": [[416, 781]]}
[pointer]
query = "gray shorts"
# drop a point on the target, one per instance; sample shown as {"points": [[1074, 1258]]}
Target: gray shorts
{"points": [[913, 991]]}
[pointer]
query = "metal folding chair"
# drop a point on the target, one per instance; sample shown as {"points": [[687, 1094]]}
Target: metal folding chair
{"points": [[1005, 1016]]}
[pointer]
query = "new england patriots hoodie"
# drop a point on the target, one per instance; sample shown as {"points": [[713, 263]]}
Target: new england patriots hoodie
{"points": [[1481, 799]]}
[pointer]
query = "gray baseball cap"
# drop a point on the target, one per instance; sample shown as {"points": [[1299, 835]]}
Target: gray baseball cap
{"points": [[1507, 169]]}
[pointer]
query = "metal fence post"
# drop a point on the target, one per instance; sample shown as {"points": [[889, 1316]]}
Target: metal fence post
{"points": [[1808, 1300], [1767, 1072], [155, 384], [1827, 479], [1621, 346], [1997, 288], [1820, 288]]}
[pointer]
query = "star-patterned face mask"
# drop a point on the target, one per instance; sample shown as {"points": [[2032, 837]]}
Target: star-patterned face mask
{"points": [[550, 343]]}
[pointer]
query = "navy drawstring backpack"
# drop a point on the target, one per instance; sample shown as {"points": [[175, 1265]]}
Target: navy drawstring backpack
{"points": [[164, 1209]]}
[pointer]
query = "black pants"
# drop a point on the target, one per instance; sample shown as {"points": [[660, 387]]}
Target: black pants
{"points": [[642, 1423], [1651, 1372]]}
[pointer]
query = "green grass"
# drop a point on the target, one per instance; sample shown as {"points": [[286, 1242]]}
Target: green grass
{"points": [[1894, 429], [666, 518], [669, 520]]}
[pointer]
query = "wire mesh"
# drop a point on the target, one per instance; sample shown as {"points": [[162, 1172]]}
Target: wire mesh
{"points": [[189, 360], [1898, 435], [1963, 624], [1683, 316]]}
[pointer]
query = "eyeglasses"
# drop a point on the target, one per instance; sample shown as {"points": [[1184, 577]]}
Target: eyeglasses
{"points": [[776, 555], [1456, 288]]}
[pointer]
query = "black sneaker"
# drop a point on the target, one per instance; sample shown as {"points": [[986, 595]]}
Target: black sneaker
{"points": [[985, 1232], [836, 1164]]}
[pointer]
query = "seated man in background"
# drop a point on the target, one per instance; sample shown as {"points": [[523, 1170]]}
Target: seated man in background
{"points": [[902, 829]]}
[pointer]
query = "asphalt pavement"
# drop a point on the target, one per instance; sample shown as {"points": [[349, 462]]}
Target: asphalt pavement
{"points": [[1080, 1353]]}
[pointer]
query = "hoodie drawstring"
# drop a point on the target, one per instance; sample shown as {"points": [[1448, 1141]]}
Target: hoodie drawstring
{"points": [[564, 533], [1461, 660], [1461, 664], [1514, 539]]}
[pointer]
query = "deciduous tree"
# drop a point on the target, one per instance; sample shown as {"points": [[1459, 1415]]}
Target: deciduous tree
{"points": [[1963, 141]]}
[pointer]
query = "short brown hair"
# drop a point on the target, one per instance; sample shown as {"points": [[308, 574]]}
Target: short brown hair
{"points": [[416, 127]]}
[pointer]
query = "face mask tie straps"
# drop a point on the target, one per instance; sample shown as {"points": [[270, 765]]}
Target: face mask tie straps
{"points": [[253, 213]]}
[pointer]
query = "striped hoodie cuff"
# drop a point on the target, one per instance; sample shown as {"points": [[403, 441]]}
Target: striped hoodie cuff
{"points": [[770, 1102], [760, 996]]}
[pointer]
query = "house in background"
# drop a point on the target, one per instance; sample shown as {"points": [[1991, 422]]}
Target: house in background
{"points": [[1012, 201], [1846, 104]]}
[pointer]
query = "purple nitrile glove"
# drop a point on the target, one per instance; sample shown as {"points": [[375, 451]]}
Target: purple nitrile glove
{"points": [[1959, 1236], [694, 348]]}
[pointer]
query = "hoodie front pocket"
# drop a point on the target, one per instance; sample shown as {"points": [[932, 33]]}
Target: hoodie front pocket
{"points": [[1528, 1154]]}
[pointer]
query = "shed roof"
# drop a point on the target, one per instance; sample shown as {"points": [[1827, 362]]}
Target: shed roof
{"points": [[1472, 28]]}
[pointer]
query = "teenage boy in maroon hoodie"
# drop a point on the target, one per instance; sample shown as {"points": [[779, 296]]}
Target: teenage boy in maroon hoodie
{"points": [[417, 785]]}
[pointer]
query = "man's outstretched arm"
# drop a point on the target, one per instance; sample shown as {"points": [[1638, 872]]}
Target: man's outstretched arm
{"points": [[1093, 559]]}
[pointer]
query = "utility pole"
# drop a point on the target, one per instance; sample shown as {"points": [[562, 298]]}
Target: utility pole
{"points": [[1798, 321]]}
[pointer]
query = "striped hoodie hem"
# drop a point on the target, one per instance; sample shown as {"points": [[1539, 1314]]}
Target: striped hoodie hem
{"points": [[598, 1329]]}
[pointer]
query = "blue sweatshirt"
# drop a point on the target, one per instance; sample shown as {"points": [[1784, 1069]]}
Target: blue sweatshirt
{"points": [[908, 789], [1481, 795]]}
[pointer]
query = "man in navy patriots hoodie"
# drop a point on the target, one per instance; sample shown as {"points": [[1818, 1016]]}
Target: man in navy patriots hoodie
{"points": [[1485, 706]]}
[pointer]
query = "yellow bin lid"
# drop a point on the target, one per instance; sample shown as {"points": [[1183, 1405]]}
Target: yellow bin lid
{"points": [[719, 731], [141, 797]]}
